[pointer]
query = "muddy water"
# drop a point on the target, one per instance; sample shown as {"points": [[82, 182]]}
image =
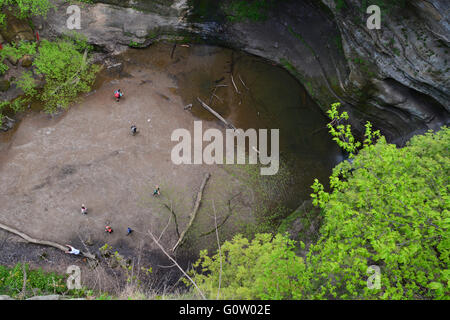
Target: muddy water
{"points": [[263, 95]]}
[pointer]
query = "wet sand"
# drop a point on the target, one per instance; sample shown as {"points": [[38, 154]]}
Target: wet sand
{"points": [[49, 166]]}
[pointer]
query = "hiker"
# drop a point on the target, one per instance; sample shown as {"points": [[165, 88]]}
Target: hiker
{"points": [[83, 209], [129, 231], [118, 94], [108, 229], [72, 250], [157, 191], [133, 130]]}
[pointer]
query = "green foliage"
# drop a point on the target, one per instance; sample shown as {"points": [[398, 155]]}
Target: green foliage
{"points": [[3, 105], [389, 207], [19, 104], [134, 44], [79, 41], [240, 10], [25, 8], [3, 67], [38, 282], [66, 70], [342, 133], [265, 268], [104, 296], [64, 66], [16, 51], [27, 84]]}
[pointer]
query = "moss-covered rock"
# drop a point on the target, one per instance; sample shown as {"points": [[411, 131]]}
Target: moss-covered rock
{"points": [[16, 29], [4, 85]]}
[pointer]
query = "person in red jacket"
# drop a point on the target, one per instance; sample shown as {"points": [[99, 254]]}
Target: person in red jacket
{"points": [[118, 94]]}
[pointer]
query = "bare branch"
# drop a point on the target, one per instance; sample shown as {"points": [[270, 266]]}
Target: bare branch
{"points": [[178, 266], [234, 84]]}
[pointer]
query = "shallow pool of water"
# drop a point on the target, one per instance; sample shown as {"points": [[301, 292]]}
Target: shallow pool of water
{"points": [[251, 92]]}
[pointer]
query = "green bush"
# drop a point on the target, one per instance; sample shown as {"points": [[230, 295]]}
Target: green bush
{"points": [[66, 70], [38, 282], [388, 207], [16, 51], [27, 83], [24, 8], [265, 268]]}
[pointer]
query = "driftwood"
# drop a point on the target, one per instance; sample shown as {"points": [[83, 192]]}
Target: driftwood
{"points": [[243, 83], [41, 242], [194, 212], [218, 116], [234, 84]]}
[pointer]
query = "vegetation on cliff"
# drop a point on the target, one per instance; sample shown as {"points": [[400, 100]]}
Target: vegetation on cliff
{"points": [[387, 209]]}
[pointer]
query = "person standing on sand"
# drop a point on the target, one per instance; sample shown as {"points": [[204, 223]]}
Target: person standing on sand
{"points": [[83, 209], [118, 94], [108, 229], [134, 130], [157, 191], [129, 231]]}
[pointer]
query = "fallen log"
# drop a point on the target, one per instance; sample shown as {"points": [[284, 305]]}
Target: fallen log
{"points": [[218, 116], [42, 242], [194, 212]]}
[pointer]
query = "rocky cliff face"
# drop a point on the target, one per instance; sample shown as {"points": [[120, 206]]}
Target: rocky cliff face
{"points": [[403, 65], [396, 77]]}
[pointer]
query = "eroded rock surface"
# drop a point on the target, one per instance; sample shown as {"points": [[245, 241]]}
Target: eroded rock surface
{"points": [[395, 77]]}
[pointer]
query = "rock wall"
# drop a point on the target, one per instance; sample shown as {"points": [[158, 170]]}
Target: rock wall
{"points": [[403, 65], [395, 77]]}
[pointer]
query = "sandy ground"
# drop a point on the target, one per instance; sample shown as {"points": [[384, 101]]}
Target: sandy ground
{"points": [[50, 166]]}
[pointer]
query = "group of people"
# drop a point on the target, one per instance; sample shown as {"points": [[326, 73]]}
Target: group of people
{"points": [[108, 229], [118, 94]]}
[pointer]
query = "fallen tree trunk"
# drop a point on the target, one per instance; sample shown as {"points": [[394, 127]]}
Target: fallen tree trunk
{"points": [[41, 242], [194, 212], [218, 116]]}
